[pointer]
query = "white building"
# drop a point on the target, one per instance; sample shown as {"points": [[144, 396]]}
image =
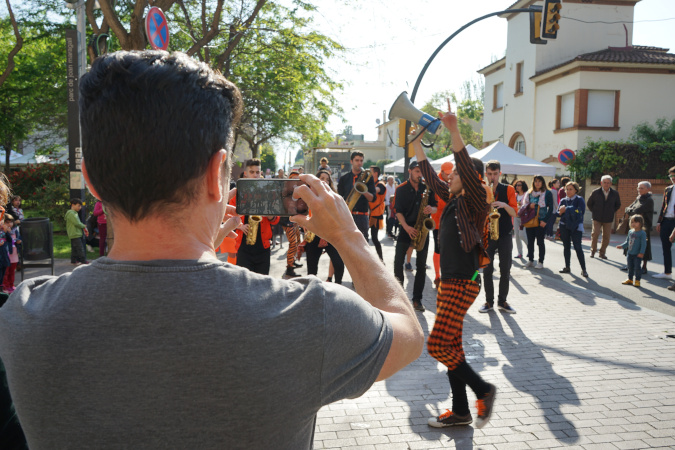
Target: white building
{"points": [[590, 82]]}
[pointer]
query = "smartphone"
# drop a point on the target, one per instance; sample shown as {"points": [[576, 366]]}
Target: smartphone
{"points": [[269, 197]]}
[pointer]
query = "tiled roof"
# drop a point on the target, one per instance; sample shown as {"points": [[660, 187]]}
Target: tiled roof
{"points": [[637, 54]]}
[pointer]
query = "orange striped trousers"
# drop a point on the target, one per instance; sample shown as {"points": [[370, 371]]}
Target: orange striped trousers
{"points": [[293, 236], [453, 301]]}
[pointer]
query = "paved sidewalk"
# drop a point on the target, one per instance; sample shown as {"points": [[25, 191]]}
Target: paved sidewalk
{"points": [[573, 369]]}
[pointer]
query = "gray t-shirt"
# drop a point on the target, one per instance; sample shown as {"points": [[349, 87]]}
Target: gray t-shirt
{"points": [[184, 354]]}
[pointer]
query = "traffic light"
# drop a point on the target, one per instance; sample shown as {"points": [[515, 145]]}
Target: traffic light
{"points": [[535, 25], [551, 18]]}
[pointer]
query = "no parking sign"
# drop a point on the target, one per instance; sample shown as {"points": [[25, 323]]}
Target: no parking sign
{"points": [[566, 156], [157, 29]]}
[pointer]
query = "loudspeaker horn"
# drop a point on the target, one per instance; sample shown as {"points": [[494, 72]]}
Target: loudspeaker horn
{"points": [[404, 109]]}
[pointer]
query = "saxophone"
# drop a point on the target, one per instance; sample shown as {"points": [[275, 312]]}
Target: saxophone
{"points": [[253, 222], [423, 225], [493, 217], [359, 188]]}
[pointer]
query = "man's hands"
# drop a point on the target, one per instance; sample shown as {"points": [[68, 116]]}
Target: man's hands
{"points": [[412, 231], [230, 222], [499, 205], [331, 219]]}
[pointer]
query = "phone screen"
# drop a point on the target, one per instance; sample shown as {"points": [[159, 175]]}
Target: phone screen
{"points": [[268, 197]]}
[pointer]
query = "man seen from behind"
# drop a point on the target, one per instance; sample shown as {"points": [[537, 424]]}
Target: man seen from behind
{"points": [[161, 344]]}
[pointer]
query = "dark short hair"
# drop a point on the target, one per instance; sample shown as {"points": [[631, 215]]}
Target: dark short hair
{"points": [[493, 164], [523, 183], [252, 162], [376, 170], [356, 153], [565, 180], [478, 165], [151, 121], [75, 201]]}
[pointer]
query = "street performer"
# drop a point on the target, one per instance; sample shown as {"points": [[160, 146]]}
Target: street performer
{"points": [[408, 202], [462, 254], [506, 205], [345, 185], [376, 222]]}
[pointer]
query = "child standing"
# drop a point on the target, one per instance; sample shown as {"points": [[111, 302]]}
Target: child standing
{"points": [[13, 235], [635, 246], [5, 244], [75, 228]]}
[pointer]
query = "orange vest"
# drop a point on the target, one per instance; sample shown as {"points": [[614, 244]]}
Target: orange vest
{"points": [[377, 205], [440, 206]]}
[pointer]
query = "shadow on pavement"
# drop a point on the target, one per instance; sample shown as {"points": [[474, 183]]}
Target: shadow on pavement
{"points": [[528, 371]]}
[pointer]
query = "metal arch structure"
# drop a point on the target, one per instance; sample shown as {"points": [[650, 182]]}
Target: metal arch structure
{"points": [[433, 56]]}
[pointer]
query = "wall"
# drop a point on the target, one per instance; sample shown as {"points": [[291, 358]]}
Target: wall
{"points": [[519, 111], [627, 189]]}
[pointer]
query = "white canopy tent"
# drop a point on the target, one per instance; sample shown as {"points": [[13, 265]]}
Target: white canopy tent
{"points": [[397, 166], [451, 158], [513, 163]]}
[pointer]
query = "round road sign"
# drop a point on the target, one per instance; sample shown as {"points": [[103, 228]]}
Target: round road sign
{"points": [[566, 156], [157, 29]]}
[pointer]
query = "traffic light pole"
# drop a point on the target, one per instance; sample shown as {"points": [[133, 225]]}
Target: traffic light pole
{"points": [[429, 61]]}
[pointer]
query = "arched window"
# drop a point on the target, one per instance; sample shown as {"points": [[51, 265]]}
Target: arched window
{"points": [[518, 143]]}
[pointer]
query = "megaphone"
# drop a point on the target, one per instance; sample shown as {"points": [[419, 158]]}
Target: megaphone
{"points": [[404, 109]]}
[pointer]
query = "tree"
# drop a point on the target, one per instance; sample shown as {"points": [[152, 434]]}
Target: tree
{"points": [[18, 43], [268, 159], [266, 47], [662, 131], [33, 95], [469, 111]]}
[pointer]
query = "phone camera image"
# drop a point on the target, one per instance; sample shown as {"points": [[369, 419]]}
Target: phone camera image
{"points": [[269, 197]]}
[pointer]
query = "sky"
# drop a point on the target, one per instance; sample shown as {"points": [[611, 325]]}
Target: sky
{"points": [[389, 41]]}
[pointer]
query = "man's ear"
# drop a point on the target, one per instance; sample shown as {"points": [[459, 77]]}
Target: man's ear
{"points": [[214, 175], [86, 180]]}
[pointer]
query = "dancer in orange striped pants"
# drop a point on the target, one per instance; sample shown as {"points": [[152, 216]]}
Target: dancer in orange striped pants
{"points": [[462, 253]]}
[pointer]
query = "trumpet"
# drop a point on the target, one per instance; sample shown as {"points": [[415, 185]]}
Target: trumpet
{"points": [[253, 222], [360, 187]]}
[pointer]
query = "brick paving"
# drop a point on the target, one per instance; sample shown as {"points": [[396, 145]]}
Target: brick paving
{"points": [[573, 368]]}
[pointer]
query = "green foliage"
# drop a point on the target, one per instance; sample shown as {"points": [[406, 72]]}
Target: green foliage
{"points": [[287, 90], [661, 132], [648, 154], [268, 159], [469, 109], [623, 160], [33, 97], [44, 189]]}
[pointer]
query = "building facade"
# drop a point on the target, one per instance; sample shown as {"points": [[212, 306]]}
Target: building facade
{"points": [[589, 83]]}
